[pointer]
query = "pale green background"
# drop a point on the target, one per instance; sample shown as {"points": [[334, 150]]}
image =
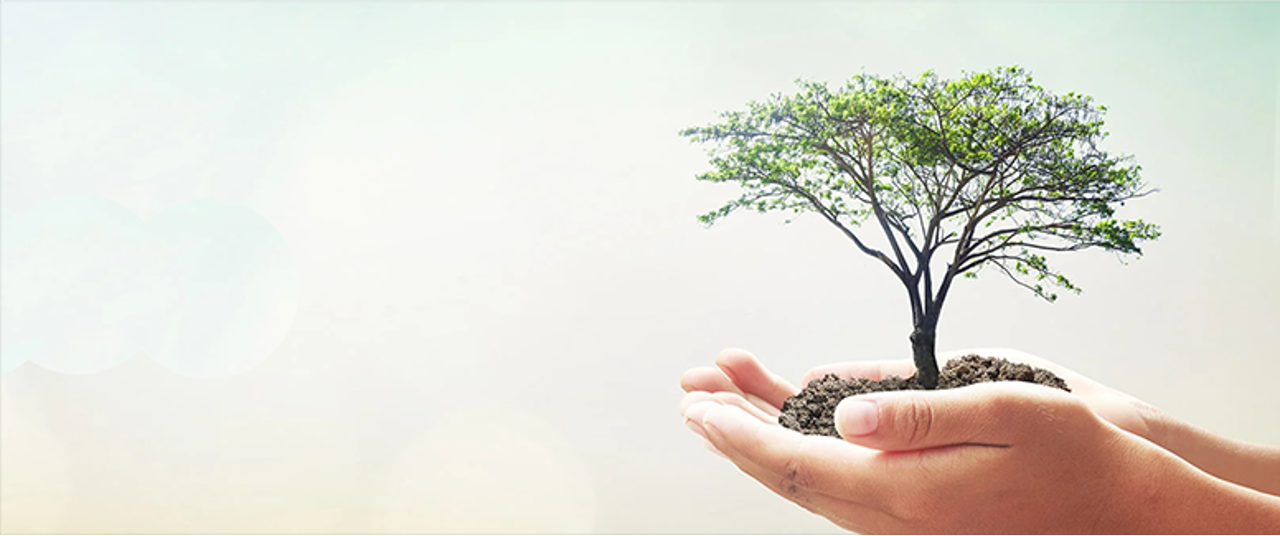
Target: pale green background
{"points": [[494, 196]]}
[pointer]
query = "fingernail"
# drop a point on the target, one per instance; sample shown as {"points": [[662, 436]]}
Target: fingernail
{"points": [[857, 417], [696, 428]]}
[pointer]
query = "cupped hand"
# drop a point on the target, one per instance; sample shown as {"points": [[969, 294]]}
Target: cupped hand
{"points": [[739, 374], [993, 457]]}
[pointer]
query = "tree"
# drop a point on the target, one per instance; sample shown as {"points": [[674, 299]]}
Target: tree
{"points": [[989, 170]]}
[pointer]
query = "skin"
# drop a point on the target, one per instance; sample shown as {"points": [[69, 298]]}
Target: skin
{"points": [[1000, 457]]}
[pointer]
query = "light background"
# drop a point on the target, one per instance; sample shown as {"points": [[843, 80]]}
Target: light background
{"points": [[500, 276]]}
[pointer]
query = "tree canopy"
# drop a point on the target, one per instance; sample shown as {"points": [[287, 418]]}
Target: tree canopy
{"points": [[989, 170]]}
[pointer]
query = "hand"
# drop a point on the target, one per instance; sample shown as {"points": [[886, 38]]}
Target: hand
{"points": [[936, 484], [738, 373]]}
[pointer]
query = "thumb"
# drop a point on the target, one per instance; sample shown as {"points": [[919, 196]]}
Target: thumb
{"points": [[987, 413]]}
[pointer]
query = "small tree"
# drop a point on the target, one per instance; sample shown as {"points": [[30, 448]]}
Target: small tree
{"points": [[988, 170]]}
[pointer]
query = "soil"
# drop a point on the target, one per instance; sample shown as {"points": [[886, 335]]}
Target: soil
{"points": [[811, 410]]}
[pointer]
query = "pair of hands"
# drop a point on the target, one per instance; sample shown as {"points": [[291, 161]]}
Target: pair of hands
{"points": [[995, 457]]}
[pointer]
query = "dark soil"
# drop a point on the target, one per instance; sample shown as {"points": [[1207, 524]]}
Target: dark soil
{"points": [[812, 410]]}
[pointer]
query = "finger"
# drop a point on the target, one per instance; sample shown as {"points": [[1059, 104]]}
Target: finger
{"points": [[852, 516], [698, 409], [765, 406], [731, 399], [749, 374], [871, 370], [831, 507], [857, 488], [693, 415], [690, 399], [793, 484], [801, 467], [695, 425], [728, 399], [993, 414], [713, 380], [709, 379]]}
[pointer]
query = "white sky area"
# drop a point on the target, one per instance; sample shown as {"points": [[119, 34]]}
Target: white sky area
{"points": [[491, 275]]}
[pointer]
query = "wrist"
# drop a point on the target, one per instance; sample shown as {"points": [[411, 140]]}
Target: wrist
{"points": [[1256, 467], [1170, 495]]}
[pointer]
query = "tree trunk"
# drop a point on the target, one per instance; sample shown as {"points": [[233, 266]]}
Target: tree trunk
{"points": [[923, 352]]}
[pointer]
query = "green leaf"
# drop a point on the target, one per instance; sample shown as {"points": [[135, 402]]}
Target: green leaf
{"points": [[1016, 165]]}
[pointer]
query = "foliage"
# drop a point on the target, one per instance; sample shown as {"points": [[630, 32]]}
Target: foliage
{"points": [[990, 170]]}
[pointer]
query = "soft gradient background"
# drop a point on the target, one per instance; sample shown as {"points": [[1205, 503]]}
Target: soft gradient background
{"points": [[499, 276]]}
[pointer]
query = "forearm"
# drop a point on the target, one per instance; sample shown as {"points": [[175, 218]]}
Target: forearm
{"points": [[1253, 466], [1179, 499]]}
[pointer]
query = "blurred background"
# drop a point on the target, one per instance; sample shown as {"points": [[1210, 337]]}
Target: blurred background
{"points": [[435, 267]]}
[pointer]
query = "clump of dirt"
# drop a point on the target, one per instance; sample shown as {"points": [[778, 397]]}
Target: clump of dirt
{"points": [[812, 410]]}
